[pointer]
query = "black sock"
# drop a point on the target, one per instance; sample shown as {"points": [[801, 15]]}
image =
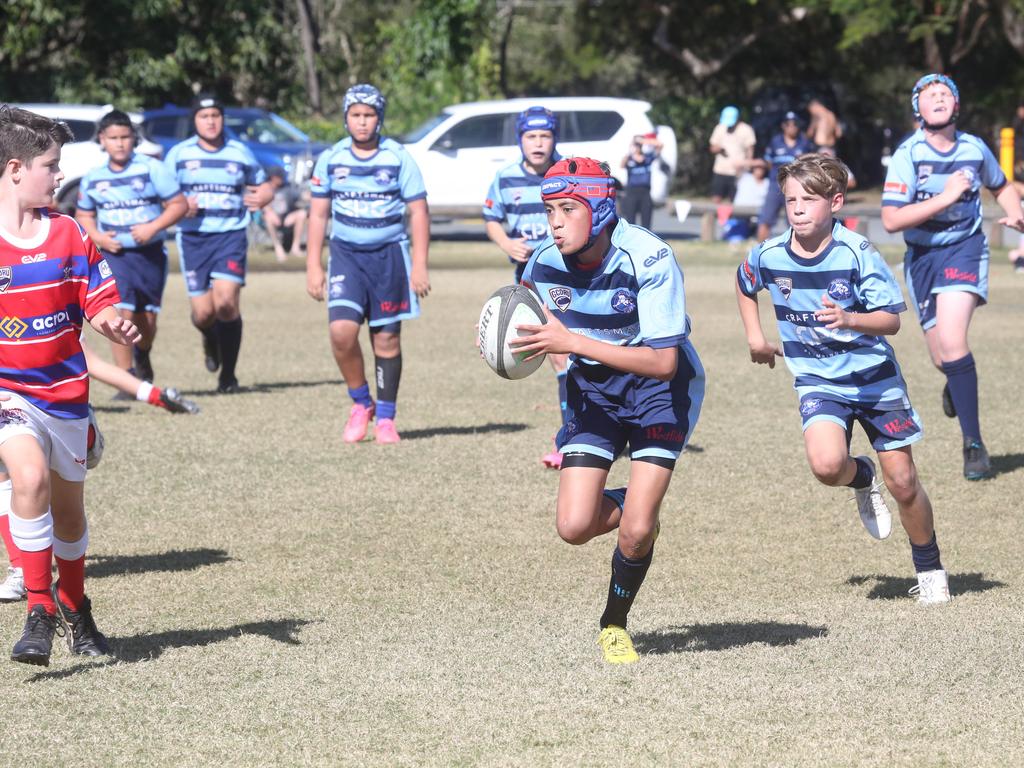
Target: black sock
{"points": [[230, 338], [388, 374], [627, 576], [864, 474]]}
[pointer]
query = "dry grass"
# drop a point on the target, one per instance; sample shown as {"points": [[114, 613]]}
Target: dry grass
{"points": [[277, 597]]}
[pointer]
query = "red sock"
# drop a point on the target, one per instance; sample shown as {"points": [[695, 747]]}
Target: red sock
{"points": [[13, 553], [71, 587], [38, 578], [154, 397]]}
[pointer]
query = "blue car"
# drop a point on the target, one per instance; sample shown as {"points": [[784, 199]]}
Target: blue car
{"points": [[271, 138]]}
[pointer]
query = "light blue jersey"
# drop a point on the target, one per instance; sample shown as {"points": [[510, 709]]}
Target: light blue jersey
{"points": [[514, 200], [368, 195], [218, 179], [122, 199], [844, 364], [918, 172]]}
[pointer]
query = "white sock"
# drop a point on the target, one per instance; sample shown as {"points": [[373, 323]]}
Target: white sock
{"points": [[144, 389], [71, 550], [32, 535]]}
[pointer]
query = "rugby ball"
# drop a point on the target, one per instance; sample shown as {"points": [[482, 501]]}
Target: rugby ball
{"points": [[508, 307]]}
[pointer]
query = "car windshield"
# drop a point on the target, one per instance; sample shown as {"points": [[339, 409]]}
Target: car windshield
{"points": [[265, 129], [418, 133]]}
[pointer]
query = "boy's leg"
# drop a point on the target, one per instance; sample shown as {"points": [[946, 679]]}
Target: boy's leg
{"points": [[146, 323], [646, 209], [273, 225], [13, 587], [559, 364], [387, 351], [227, 295], [348, 354], [204, 318], [827, 453], [297, 221], [583, 512]]}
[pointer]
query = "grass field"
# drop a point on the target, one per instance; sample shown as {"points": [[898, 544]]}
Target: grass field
{"points": [[276, 597]]}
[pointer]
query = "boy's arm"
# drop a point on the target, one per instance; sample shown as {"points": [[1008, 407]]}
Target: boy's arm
{"points": [[419, 226], [761, 350], [881, 322], [118, 329], [173, 212], [898, 218], [103, 240], [1009, 200], [319, 211]]}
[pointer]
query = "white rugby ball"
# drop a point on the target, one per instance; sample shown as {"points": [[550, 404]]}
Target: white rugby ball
{"points": [[508, 307]]}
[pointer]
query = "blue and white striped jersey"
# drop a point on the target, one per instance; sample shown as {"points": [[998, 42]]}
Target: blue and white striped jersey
{"points": [[218, 179], [368, 195], [918, 172], [634, 297], [122, 199], [514, 200], [847, 365], [778, 153]]}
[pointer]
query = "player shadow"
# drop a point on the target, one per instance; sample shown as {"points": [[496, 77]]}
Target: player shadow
{"points": [[491, 427], [147, 647], [1006, 463], [897, 587], [261, 388], [693, 448], [721, 637], [101, 566], [111, 408]]}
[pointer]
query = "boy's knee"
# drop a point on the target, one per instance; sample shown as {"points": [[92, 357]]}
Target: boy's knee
{"points": [[31, 480], [572, 531], [829, 469], [636, 541], [902, 484]]}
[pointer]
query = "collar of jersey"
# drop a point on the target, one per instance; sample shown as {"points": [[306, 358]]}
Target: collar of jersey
{"points": [[817, 259]]}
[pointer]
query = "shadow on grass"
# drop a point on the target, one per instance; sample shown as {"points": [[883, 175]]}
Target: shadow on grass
{"points": [[693, 448], [130, 650], [111, 408], [720, 637], [897, 587], [1006, 463], [101, 566], [420, 434], [263, 387]]}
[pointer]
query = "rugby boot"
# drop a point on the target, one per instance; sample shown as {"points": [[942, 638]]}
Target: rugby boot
{"points": [[977, 465], [386, 432], [932, 588], [617, 646], [173, 401], [79, 628], [13, 588], [211, 351], [37, 639], [358, 421], [874, 513]]}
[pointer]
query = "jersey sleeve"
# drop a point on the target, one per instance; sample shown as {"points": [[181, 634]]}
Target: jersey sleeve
{"points": [[661, 303], [171, 162], [320, 181], [164, 182], [877, 288], [748, 275], [494, 208], [410, 180], [100, 290], [84, 202], [992, 175], [254, 173], [900, 180]]}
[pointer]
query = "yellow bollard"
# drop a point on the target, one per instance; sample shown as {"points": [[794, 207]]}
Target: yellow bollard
{"points": [[1006, 151]]}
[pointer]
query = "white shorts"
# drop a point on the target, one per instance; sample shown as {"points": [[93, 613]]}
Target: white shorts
{"points": [[63, 440]]}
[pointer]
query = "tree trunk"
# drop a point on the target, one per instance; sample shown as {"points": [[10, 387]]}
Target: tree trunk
{"points": [[310, 43]]}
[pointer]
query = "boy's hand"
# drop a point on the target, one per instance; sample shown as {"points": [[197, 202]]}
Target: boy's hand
{"points": [[193, 206], [251, 198], [764, 352], [315, 282], [518, 250], [143, 233], [1017, 223], [419, 280], [550, 338], [107, 242], [956, 185], [122, 331], [833, 315]]}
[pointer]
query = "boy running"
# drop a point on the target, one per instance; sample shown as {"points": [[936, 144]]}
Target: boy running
{"points": [[51, 277], [515, 219], [222, 182], [614, 303], [366, 184], [933, 195], [835, 299], [125, 206]]}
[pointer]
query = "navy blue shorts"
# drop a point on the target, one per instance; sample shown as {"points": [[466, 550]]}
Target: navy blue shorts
{"points": [[606, 409], [773, 203], [371, 284], [886, 429], [140, 274], [929, 270], [209, 256]]}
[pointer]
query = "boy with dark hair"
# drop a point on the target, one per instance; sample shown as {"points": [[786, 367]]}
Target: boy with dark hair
{"points": [[835, 299], [125, 206], [51, 277], [785, 147]]}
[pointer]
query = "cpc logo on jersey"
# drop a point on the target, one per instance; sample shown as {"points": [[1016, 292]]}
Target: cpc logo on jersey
{"points": [[49, 322]]}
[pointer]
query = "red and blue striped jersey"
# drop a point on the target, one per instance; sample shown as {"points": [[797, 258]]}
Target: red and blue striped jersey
{"points": [[49, 285]]}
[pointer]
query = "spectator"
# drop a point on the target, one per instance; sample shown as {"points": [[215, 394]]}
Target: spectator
{"points": [[785, 147], [732, 143], [637, 206], [751, 190], [824, 129], [284, 215]]}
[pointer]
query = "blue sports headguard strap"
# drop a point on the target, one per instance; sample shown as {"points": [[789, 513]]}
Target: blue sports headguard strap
{"points": [[923, 83], [364, 93]]}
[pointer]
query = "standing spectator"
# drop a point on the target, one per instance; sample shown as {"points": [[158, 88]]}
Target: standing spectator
{"points": [[732, 143], [823, 129], [785, 147], [285, 211], [637, 206]]}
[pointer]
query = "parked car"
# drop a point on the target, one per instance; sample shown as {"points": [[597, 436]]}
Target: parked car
{"points": [[272, 139], [84, 153], [459, 150]]}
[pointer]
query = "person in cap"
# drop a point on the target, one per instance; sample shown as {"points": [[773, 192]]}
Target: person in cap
{"points": [[365, 186], [223, 184], [785, 147], [636, 206], [614, 302], [932, 194], [732, 143]]}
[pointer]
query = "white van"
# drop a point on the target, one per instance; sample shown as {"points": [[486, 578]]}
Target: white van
{"points": [[459, 150]]}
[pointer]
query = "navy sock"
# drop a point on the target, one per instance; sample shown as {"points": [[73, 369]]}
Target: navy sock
{"points": [[562, 376], [627, 576], [926, 556], [618, 495], [963, 388], [230, 337], [361, 395], [864, 474]]}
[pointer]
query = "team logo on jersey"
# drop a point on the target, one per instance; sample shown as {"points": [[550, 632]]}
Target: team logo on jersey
{"points": [[809, 406], [13, 327], [839, 289], [382, 176], [561, 296], [6, 275], [924, 172], [623, 301], [138, 184], [48, 323], [67, 272], [341, 172], [104, 269], [12, 416], [231, 168], [895, 186], [193, 165], [785, 286], [102, 186], [337, 285]]}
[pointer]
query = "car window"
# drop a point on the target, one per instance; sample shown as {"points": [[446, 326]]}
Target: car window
{"points": [[480, 131], [588, 125], [261, 129], [83, 130], [164, 127], [426, 127]]}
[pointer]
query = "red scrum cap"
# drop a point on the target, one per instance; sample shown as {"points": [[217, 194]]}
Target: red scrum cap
{"points": [[585, 180]]}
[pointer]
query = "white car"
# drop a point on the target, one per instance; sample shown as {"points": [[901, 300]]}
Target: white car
{"points": [[459, 150], [83, 154]]}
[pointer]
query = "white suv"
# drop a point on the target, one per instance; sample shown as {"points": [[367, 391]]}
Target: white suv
{"points": [[460, 150], [83, 154]]}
